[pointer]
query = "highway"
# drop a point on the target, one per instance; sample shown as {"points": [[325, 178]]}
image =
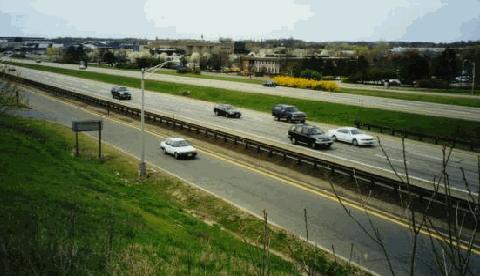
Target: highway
{"points": [[424, 161], [416, 107], [253, 192]]}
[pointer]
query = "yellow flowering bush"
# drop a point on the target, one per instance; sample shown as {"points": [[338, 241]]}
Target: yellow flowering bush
{"points": [[329, 86]]}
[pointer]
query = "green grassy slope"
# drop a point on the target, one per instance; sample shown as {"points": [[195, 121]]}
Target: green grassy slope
{"points": [[78, 216]]}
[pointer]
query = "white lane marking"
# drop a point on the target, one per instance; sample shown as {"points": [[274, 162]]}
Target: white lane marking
{"points": [[384, 157]]}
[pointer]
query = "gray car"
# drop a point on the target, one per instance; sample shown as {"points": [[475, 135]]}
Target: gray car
{"points": [[289, 112], [121, 93]]}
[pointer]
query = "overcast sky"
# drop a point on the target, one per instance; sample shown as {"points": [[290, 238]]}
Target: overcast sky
{"points": [[308, 20]]}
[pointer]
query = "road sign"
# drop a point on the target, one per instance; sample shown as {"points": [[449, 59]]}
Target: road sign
{"points": [[87, 125]]}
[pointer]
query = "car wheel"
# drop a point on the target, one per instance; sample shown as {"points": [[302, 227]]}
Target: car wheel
{"points": [[354, 142], [311, 145], [303, 121], [176, 156], [294, 141], [334, 138], [289, 119], [165, 150], [216, 113]]}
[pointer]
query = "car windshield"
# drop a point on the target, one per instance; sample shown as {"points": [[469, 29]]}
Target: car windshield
{"points": [[228, 107], [291, 109], [315, 131], [181, 143], [356, 132], [122, 89]]}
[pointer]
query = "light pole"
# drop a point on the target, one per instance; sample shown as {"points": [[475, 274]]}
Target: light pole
{"points": [[473, 78], [142, 170], [473, 74]]}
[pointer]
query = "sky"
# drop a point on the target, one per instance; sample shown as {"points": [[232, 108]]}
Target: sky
{"points": [[307, 20]]}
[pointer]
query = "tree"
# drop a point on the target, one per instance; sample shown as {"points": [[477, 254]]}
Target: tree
{"points": [[473, 55], [340, 68], [74, 54], [120, 56], [413, 66], [216, 62], [447, 65], [362, 64], [9, 94], [109, 58], [204, 61], [329, 68], [451, 240]]}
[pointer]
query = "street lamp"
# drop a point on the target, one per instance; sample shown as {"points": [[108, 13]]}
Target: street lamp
{"points": [[142, 170], [473, 74], [473, 78]]}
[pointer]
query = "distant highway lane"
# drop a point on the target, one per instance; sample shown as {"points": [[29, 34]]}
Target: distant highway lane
{"points": [[424, 160], [328, 223], [416, 107]]}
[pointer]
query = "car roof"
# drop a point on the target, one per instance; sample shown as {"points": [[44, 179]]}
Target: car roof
{"points": [[285, 105], [176, 139], [348, 128]]}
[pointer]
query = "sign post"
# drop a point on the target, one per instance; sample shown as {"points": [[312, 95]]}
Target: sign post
{"points": [[89, 126]]}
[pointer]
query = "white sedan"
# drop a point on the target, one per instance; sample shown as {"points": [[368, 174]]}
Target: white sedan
{"points": [[351, 135], [178, 147]]}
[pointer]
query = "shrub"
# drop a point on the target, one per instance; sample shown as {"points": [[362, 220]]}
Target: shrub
{"points": [[316, 75], [431, 83], [182, 70], [328, 78], [305, 83], [354, 78]]}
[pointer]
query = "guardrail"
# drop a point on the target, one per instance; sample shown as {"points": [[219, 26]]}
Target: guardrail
{"points": [[419, 135], [300, 158]]}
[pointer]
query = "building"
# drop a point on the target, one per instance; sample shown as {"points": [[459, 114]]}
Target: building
{"points": [[195, 46], [275, 64]]}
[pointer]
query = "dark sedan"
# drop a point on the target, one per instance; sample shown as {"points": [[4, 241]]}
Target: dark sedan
{"points": [[121, 93], [226, 110], [309, 135]]}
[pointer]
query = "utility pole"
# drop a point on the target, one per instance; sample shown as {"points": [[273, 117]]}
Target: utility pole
{"points": [[473, 80]]}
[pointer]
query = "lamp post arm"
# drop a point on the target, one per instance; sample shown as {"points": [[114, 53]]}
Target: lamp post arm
{"points": [[152, 69], [142, 167]]}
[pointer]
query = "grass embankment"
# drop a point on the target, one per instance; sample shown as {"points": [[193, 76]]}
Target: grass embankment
{"points": [[317, 111], [66, 215]]}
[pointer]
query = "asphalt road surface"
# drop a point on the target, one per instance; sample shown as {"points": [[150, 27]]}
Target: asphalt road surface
{"points": [[425, 108], [424, 161], [328, 223]]}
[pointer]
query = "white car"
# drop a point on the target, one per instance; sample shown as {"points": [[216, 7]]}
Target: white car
{"points": [[351, 135], [178, 147]]}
